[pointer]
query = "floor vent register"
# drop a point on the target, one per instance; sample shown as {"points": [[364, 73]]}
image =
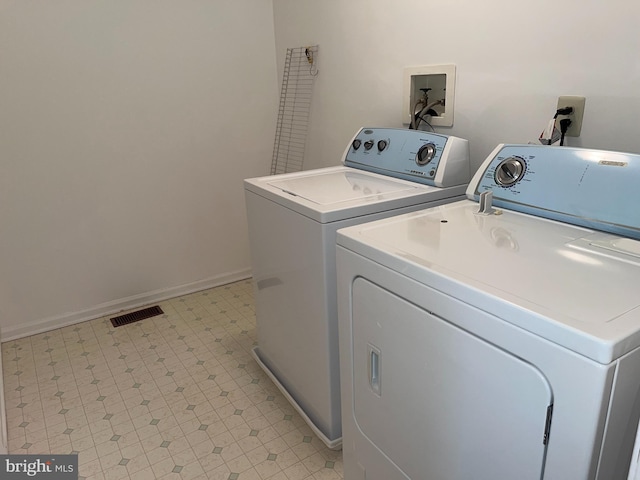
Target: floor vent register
{"points": [[136, 316]]}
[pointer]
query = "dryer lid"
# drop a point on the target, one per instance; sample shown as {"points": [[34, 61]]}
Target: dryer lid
{"points": [[568, 284]]}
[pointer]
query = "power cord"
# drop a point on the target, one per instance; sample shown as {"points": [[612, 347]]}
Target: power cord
{"points": [[563, 111], [550, 135], [565, 123]]}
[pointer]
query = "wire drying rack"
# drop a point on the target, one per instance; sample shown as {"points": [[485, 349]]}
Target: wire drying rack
{"points": [[300, 70]]}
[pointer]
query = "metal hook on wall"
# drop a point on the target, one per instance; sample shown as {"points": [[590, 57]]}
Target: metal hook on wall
{"points": [[313, 70]]}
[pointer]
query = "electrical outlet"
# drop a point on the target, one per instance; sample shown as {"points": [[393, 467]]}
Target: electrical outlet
{"points": [[576, 117]]}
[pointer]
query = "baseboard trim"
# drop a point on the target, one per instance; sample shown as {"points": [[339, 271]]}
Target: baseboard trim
{"points": [[117, 306]]}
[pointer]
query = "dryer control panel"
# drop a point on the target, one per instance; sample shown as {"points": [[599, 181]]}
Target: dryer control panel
{"points": [[424, 157], [592, 188]]}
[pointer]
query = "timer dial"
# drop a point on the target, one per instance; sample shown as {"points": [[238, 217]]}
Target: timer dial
{"points": [[510, 171], [425, 154]]}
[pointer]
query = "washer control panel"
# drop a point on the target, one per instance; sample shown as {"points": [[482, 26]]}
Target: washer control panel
{"points": [[594, 188], [425, 157]]}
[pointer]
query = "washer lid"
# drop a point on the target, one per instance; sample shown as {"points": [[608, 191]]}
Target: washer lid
{"points": [[571, 285], [337, 187], [338, 193]]}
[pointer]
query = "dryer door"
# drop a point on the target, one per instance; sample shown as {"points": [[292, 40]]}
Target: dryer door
{"points": [[439, 402]]}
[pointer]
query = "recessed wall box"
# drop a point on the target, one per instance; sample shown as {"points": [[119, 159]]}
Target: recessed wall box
{"points": [[434, 87]]}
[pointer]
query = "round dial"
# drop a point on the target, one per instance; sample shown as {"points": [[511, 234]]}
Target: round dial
{"points": [[356, 144], [382, 144], [425, 154], [510, 171], [368, 144]]}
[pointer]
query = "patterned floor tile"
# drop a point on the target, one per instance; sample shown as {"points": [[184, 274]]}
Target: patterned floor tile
{"points": [[177, 396]]}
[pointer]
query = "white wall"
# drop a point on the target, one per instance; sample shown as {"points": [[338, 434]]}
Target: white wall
{"points": [[513, 60], [126, 129]]}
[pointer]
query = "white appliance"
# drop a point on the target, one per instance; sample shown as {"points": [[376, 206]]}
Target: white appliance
{"points": [[4, 440], [634, 471], [500, 340], [293, 220]]}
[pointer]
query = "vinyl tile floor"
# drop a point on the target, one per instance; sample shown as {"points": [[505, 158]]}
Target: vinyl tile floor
{"points": [[176, 396]]}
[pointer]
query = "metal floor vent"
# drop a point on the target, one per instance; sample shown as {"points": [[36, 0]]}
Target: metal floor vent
{"points": [[136, 316]]}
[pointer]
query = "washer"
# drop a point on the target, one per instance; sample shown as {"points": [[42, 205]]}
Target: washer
{"points": [[497, 338], [293, 220]]}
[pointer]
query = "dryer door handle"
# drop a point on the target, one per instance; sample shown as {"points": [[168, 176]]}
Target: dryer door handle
{"points": [[374, 369]]}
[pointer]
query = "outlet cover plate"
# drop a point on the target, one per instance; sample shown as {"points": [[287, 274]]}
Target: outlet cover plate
{"points": [[577, 103]]}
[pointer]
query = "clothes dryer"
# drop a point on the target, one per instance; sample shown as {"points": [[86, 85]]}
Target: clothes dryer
{"points": [[293, 220], [497, 337]]}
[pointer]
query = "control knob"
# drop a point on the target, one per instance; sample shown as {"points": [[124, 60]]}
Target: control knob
{"points": [[510, 171], [425, 154], [382, 144], [368, 144], [356, 144]]}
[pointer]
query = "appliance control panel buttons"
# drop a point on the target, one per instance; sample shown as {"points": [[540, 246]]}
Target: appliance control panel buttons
{"points": [[425, 157]]}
